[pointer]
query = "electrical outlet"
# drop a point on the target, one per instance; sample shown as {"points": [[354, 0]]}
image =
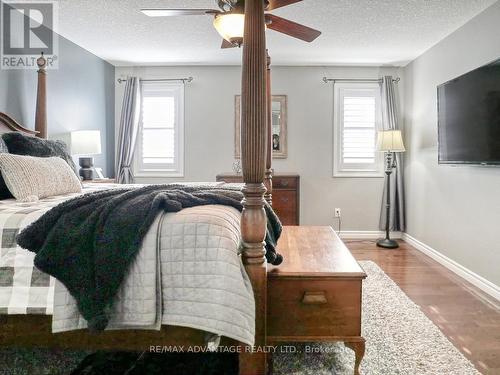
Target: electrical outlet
{"points": [[338, 212]]}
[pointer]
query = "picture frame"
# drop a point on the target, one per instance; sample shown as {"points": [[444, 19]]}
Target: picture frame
{"points": [[280, 128]]}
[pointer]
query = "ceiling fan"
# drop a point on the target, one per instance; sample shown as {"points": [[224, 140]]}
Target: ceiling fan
{"points": [[229, 20]]}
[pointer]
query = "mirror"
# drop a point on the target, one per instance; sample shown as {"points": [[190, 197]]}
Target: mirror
{"points": [[279, 127]]}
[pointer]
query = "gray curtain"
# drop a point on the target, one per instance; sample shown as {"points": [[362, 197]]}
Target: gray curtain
{"points": [[129, 126], [390, 118]]}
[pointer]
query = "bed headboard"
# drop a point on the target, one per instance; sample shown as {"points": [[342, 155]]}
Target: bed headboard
{"points": [[8, 125]]}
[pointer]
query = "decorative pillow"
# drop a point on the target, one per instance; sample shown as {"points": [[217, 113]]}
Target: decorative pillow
{"points": [[4, 190], [30, 178], [20, 144]]}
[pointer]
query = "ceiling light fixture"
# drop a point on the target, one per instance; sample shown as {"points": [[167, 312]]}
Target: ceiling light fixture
{"points": [[230, 26]]}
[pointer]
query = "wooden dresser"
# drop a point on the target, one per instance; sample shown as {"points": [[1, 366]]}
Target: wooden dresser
{"points": [[286, 195], [315, 294]]}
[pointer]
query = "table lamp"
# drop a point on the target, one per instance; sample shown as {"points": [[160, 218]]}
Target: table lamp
{"points": [[85, 143], [390, 142]]}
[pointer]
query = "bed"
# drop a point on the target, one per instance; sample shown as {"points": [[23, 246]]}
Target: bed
{"points": [[29, 325], [188, 262]]}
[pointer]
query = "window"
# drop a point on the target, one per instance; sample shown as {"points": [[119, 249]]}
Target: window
{"points": [[160, 142], [357, 117]]}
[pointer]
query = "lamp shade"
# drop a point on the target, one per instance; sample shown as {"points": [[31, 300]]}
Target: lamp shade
{"points": [[230, 26], [390, 141], [85, 142]]}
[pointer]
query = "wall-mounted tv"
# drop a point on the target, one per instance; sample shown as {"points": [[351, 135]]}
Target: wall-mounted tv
{"points": [[469, 117]]}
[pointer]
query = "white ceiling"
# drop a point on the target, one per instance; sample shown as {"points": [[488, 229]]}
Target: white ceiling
{"points": [[372, 32]]}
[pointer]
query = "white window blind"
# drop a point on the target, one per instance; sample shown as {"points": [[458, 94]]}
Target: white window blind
{"points": [[357, 119], [160, 140]]}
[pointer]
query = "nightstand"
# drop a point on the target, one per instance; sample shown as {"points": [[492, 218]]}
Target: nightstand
{"points": [[100, 181]]}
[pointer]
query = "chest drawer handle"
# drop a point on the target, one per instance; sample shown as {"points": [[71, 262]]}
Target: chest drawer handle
{"points": [[314, 298], [284, 199], [284, 183]]}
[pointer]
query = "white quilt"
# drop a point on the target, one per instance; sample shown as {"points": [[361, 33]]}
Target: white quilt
{"points": [[188, 273]]}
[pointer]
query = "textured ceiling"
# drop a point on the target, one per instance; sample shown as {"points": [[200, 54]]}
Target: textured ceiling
{"points": [[373, 32]]}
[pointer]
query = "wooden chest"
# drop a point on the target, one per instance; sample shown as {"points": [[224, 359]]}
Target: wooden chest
{"points": [[286, 195], [315, 294]]}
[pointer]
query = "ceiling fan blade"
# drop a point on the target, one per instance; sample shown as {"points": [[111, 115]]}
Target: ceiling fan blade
{"points": [[226, 44], [291, 28], [177, 12], [275, 4]]}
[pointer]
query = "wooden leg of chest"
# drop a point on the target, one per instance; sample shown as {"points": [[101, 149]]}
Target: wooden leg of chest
{"points": [[359, 351]]}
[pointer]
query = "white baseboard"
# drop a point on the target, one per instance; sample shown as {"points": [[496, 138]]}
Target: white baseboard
{"points": [[366, 234], [473, 278]]}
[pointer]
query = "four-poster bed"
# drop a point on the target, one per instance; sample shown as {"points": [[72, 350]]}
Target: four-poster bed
{"points": [[35, 330], [256, 157]]}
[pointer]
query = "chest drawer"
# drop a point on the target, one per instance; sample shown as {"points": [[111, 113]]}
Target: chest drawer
{"points": [[308, 308]]}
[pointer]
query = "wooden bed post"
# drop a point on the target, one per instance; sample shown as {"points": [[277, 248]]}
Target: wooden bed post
{"points": [[268, 179], [253, 158], [41, 99]]}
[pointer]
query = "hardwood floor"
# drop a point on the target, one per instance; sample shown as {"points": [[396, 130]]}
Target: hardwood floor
{"points": [[466, 315]]}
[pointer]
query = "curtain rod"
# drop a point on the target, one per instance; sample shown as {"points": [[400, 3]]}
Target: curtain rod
{"points": [[326, 80], [183, 80]]}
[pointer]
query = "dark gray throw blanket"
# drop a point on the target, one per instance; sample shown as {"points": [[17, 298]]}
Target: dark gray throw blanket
{"points": [[89, 242]]}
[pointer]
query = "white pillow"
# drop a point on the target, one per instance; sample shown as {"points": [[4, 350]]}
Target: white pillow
{"points": [[31, 178]]}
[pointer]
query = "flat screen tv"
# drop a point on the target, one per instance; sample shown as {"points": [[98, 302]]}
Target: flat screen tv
{"points": [[469, 117]]}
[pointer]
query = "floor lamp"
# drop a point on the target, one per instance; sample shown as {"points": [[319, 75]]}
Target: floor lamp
{"points": [[390, 142]]}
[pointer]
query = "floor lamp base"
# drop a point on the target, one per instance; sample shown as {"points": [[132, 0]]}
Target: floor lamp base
{"points": [[387, 243]]}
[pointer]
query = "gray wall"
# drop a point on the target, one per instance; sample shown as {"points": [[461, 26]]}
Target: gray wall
{"points": [[455, 210], [209, 136], [80, 96]]}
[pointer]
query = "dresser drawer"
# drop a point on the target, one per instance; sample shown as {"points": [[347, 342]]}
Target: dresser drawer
{"points": [[282, 182], [285, 206], [308, 308]]}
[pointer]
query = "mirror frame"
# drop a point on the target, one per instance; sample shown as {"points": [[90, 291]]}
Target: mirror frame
{"points": [[283, 153]]}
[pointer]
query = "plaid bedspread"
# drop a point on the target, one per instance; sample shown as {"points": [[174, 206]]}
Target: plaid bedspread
{"points": [[23, 288]]}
